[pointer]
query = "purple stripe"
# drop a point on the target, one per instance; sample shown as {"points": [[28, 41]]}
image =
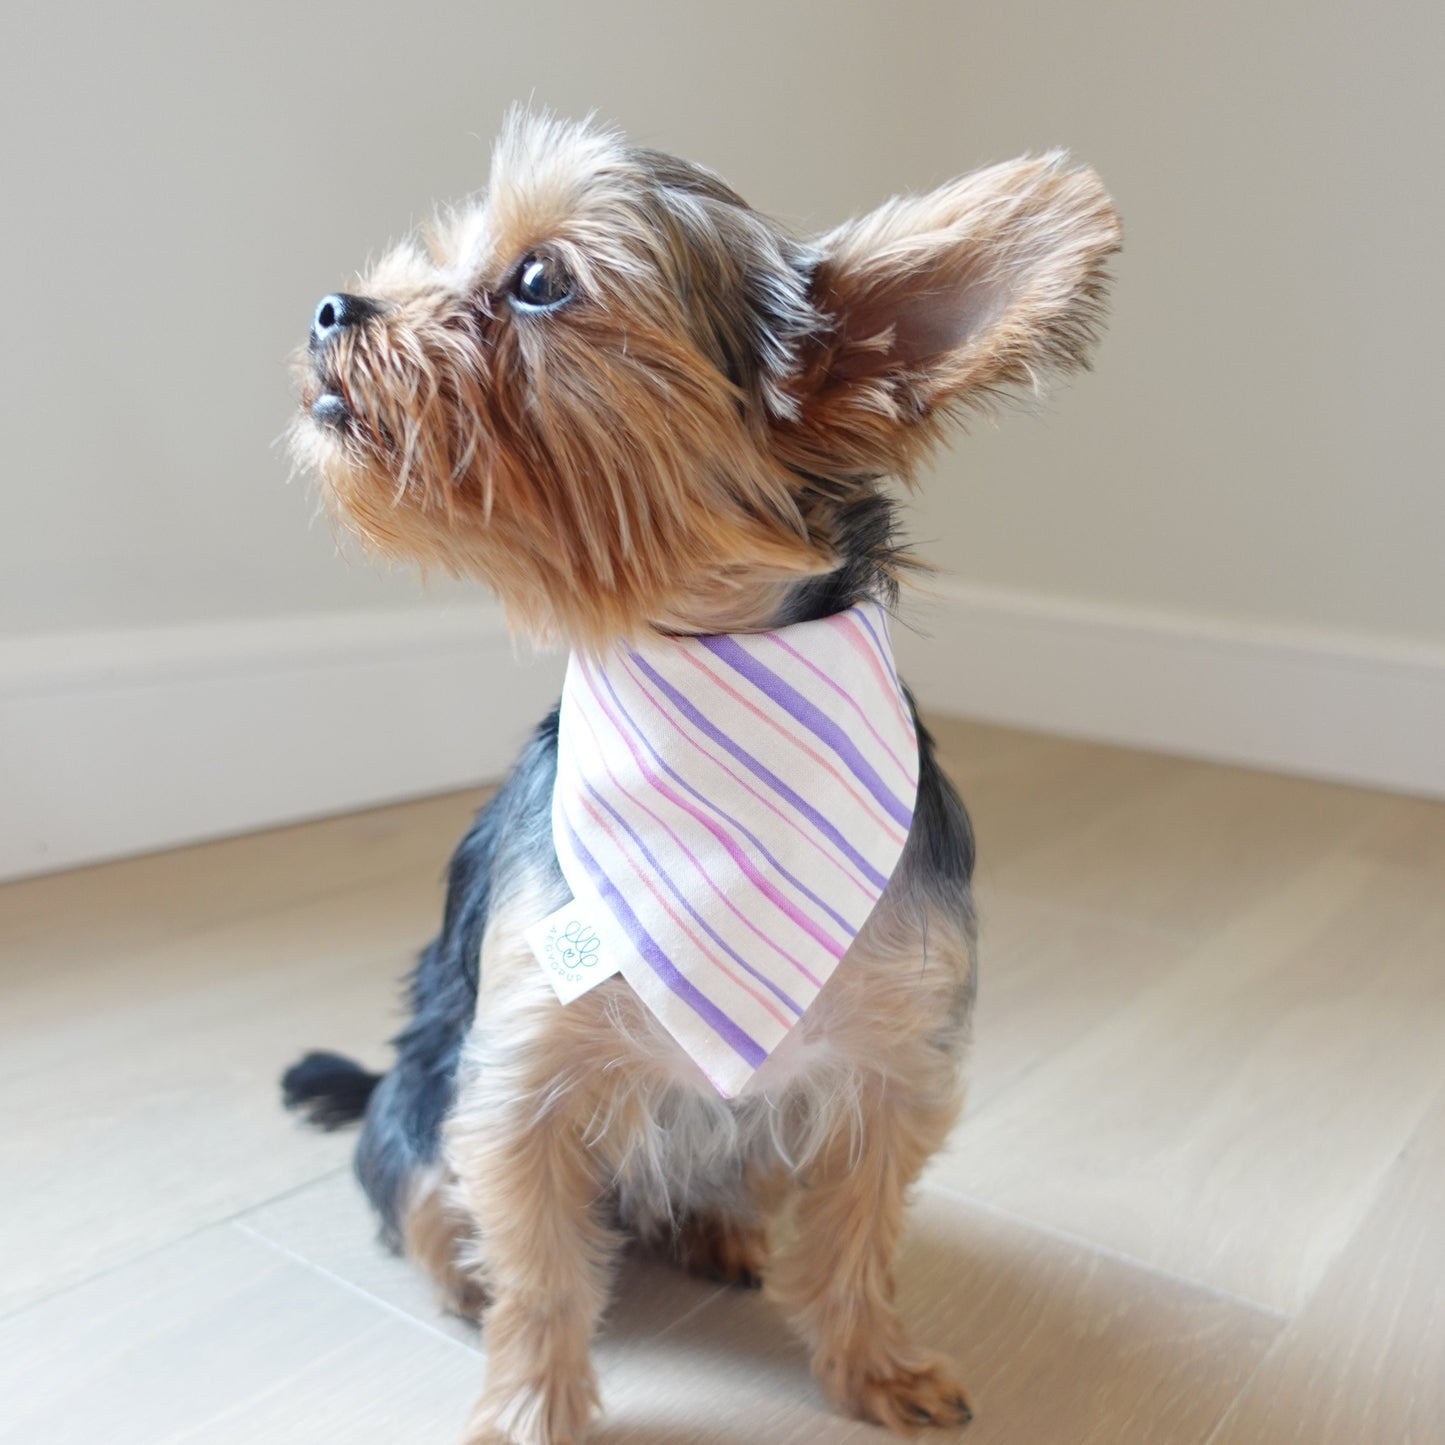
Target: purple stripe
{"points": [[796, 737], [765, 774], [745, 864], [658, 786], [746, 1048], [677, 892], [616, 847], [847, 697], [850, 930], [884, 650], [784, 695]]}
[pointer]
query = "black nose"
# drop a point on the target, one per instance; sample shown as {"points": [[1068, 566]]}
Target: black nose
{"points": [[335, 313]]}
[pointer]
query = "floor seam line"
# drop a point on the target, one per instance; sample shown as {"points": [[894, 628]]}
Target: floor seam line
{"points": [[690, 1312], [152, 1250], [350, 1287], [284, 1195], [107, 1270]]}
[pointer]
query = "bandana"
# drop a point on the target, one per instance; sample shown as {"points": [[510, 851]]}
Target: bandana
{"points": [[727, 813]]}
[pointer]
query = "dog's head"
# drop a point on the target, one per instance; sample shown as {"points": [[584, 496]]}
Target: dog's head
{"points": [[626, 400]]}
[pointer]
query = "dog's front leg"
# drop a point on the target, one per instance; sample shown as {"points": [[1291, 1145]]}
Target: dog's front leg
{"points": [[545, 1252], [834, 1278]]}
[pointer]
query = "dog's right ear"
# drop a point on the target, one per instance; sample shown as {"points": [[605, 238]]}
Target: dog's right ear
{"points": [[934, 304]]}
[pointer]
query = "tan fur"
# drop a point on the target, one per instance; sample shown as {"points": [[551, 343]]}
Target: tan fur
{"points": [[559, 1104], [716, 1245], [835, 1273], [656, 456], [945, 303], [434, 1234], [596, 468], [674, 449]]}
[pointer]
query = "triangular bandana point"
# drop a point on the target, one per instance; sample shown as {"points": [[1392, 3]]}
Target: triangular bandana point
{"points": [[727, 812]]}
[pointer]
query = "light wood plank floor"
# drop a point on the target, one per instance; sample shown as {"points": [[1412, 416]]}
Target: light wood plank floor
{"points": [[1199, 1194]]}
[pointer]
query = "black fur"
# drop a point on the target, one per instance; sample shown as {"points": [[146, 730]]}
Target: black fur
{"points": [[866, 539], [404, 1114], [331, 1090], [942, 832]]}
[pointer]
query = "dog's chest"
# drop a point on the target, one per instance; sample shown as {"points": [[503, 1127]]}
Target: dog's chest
{"points": [[686, 1147]]}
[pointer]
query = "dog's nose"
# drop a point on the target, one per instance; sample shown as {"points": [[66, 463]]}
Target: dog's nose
{"points": [[335, 313]]}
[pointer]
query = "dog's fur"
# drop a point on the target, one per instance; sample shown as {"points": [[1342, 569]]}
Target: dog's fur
{"points": [[697, 439]]}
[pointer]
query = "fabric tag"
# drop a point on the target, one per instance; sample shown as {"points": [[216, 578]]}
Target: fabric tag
{"points": [[571, 951]]}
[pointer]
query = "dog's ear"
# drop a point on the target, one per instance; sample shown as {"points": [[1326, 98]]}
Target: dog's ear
{"points": [[933, 304]]}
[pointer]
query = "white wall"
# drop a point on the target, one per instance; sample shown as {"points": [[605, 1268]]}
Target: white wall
{"points": [[1258, 451], [184, 180], [1229, 540], [1261, 441]]}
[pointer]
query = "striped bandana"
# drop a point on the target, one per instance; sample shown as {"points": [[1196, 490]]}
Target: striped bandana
{"points": [[727, 812]]}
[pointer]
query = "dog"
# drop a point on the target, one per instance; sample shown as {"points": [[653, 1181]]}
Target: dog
{"points": [[664, 430]]}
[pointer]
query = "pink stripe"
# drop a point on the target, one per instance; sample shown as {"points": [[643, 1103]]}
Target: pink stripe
{"points": [[668, 909], [837, 862], [862, 643], [742, 782], [886, 824], [852, 702], [672, 797], [738, 855]]}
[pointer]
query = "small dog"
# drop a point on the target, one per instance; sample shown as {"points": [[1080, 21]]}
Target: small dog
{"points": [[661, 428]]}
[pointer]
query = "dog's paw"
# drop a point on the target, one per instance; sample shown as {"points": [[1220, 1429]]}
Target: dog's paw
{"points": [[906, 1396], [534, 1415], [723, 1248], [461, 1295]]}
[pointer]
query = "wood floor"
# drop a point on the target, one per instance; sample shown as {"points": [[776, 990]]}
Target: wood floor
{"points": [[1198, 1196]]}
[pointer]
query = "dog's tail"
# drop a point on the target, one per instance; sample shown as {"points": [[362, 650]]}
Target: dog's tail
{"points": [[331, 1090]]}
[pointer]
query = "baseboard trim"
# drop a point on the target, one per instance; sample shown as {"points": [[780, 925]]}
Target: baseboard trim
{"points": [[125, 741], [1352, 709]]}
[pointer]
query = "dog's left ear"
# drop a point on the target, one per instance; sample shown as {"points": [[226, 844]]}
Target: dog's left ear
{"points": [[940, 302]]}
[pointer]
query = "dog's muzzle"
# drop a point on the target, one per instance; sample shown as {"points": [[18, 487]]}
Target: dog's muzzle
{"points": [[334, 314]]}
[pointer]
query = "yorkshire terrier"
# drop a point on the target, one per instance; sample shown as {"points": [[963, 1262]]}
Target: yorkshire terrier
{"points": [[662, 428]]}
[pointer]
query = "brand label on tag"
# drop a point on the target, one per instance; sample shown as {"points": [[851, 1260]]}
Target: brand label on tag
{"points": [[571, 951]]}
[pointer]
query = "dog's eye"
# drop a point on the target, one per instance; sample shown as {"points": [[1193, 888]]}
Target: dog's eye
{"points": [[541, 282]]}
